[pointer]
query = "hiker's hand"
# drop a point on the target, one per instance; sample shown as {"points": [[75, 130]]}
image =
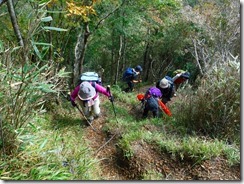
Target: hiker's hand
{"points": [[179, 74], [73, 103], [111, 98], [140, 81]]}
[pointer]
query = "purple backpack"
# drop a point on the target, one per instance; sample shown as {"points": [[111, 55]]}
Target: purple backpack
{"points": [[155, 92]]}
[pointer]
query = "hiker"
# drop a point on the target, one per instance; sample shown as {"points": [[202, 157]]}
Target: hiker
{"points": [[166, 87], [150, 100], [88, 98], [130, 77], [180, 77]]}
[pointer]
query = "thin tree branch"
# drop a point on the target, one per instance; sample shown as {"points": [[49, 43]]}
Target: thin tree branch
{"points": [[14, 22], [98, 24]]}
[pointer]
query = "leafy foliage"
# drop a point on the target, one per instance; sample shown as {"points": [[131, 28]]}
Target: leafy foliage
{"points": [[214, 109], [161, 36]]}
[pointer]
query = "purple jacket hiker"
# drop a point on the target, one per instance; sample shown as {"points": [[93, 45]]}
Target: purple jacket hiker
{"points": [[151, 97]]}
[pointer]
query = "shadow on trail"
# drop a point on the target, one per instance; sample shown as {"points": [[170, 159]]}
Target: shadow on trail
{"points": [[60, 121]]}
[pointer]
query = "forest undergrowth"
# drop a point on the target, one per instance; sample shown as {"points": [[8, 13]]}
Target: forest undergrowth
{"points": [[60, 146]]}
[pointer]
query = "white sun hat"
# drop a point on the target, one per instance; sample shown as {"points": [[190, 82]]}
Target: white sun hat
{"points": [[87, 91]]}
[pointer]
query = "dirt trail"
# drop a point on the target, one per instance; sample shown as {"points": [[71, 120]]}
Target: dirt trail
{"points": [[106, 153], [115, 167]]}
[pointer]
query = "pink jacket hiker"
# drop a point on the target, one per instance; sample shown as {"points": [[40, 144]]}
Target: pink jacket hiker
{"points": [[99, 89], [91, 106]]}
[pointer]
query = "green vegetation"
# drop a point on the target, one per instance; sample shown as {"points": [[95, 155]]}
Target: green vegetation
{"points": [[54, 147], [45, 45], [174, 140], [51, 150]]}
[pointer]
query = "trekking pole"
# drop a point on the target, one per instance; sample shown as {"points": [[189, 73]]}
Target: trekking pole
{"points": [[86, 118], [66, 97], [108, 90]]}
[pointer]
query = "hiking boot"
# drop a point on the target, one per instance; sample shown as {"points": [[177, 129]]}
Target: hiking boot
{"points": [[91, 118], [96, 116]]}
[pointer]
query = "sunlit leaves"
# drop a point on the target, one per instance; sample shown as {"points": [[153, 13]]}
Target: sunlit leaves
{"points": [[82, 11]]}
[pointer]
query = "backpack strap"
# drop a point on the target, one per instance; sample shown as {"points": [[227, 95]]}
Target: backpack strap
{"points": [[93, 84]]}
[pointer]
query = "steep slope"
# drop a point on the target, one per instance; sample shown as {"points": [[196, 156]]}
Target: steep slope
{"points": [[148, 161]]}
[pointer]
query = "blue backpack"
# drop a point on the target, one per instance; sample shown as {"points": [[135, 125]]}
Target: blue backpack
{"points": [[128, 73], [169, 79]]}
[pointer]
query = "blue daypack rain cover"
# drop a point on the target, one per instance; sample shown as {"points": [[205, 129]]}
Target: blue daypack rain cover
{"points": [[128, 72]]}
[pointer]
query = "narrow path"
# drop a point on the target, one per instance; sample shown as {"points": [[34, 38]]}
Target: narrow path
{"points": [[146, 155], [107, 155]]}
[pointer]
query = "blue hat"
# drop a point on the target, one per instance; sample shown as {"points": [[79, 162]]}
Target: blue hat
{"points": [[186, 75], [138, 68]]}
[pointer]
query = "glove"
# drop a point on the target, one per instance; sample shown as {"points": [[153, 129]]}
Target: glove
{"points": [[111, 98], [73, 103]]}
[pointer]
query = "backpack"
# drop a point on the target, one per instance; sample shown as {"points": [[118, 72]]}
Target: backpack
{"points": [[155, 92], [169, 79], [90, 77], [178, 71], [169, 93], [128, 73]]}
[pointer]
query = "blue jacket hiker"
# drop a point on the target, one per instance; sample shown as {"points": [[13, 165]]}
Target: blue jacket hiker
{"points": [[130, 77], [151, 98]]}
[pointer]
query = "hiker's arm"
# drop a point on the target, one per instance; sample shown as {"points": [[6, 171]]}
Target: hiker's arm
{"points": [[176, 77], [136, 81], [102, 90], [74, 94], [135, 76]]}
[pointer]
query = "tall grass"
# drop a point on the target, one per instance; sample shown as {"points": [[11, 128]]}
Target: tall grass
{"points": [[214, 108], [24, 92], [51, 154], [170, 135]]}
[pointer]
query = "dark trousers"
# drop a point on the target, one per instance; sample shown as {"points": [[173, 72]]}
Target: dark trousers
{"points": [[151, 104], [130, 86]]}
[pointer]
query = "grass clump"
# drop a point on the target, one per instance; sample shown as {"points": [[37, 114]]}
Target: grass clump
{"points": [[214, 108], [51, 154], [197, 149]]}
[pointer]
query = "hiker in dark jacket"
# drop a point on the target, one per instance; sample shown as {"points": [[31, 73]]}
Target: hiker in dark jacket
{"points": [[166, 87], [150, 100], [130, 77]]}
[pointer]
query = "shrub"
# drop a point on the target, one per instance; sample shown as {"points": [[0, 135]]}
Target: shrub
{"points": [[24, 90], [214, 109]]}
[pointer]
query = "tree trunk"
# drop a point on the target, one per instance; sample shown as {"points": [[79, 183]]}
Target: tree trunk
{"points": [[196, 56], [80, 50], [14, 22], [119, 58], [146, 62]]}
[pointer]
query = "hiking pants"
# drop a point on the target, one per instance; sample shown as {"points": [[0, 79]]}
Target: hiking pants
{"points": [[151, 105], [130, 85], [91, 110]]}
